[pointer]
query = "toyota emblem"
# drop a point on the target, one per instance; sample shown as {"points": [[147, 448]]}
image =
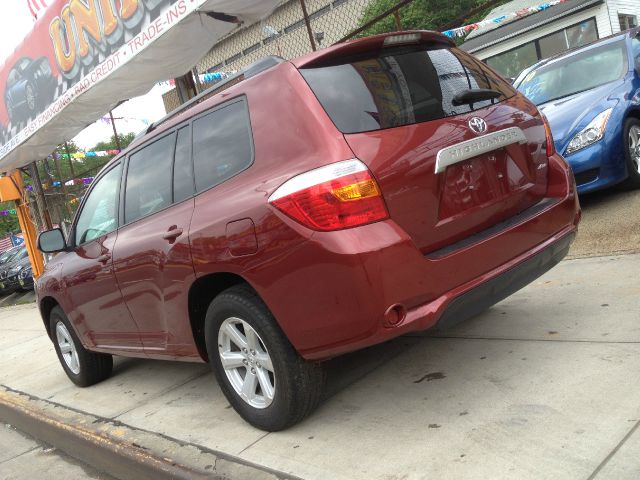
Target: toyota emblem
{"points": [[477, 125]]}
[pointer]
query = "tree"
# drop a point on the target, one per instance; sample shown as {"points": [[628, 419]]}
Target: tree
{"points": [[125, 140], [10, 222], [422, 14]]}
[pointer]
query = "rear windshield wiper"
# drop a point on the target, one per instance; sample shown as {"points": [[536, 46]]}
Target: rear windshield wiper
{"points": [[473, 95]]}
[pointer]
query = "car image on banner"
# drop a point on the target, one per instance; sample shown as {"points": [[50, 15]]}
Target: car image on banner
{"points": [[29, 88], [591, 97]]}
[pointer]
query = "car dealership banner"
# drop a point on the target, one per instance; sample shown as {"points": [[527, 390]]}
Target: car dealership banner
{"points": [[83, 57]]}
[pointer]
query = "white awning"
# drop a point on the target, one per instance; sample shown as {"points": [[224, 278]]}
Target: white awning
{"points": [[83, 58]]}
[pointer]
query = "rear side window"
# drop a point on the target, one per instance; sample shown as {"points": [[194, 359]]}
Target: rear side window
{"points": [[222, 145], [148, 187], [400, 86]]}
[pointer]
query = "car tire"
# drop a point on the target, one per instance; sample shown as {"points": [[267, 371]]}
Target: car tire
{"points": [[631, 146], [84, 368], [292, 386]]}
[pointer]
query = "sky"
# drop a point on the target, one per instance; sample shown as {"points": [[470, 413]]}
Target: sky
{"points": [[129, 116]]}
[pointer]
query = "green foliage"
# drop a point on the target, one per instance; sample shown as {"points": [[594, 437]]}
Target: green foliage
{"points": [[125, 140], [10, 222], [422, 14]]}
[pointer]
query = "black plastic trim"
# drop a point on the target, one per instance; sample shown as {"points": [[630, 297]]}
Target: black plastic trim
{"points": [[480, 298]]}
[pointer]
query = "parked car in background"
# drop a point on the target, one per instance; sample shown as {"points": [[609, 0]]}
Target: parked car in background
{"points": [[29, 87], [11, 282], [25, 278], [305, 209], [591, 97], [8, 254], [9, 271]]}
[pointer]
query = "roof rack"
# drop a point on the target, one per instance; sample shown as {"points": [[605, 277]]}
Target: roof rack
{"points": [[247, 72]]}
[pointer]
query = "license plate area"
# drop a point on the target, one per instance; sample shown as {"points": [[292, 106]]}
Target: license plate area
{"points": [[479, 182]]}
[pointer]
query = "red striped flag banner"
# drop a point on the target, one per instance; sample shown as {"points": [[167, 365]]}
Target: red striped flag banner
{"points": [[37, 7], [5, 243]]}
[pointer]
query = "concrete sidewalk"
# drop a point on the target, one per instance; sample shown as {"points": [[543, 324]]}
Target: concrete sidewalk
{"points": [[542, 386]]}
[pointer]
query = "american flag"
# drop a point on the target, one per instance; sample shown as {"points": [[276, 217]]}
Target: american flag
{"points": [[37, 7], [5, 244]]}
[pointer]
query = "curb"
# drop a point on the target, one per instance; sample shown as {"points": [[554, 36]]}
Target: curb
{"points": [[122, 451]]}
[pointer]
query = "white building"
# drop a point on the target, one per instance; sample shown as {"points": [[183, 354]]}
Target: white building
{"points": [[512, 46]]}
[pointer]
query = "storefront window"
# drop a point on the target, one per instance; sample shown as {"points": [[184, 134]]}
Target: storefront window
{"points": [[512, 62], [582, 34], [627, 21]]}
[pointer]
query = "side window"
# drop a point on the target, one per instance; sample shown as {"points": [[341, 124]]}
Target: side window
{"points": [[221, 145], [182, 169], [148, 187], [99, 214]]}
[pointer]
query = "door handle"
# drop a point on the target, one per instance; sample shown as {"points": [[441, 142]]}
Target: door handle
{"points": [[104, 258], [172, 234]]}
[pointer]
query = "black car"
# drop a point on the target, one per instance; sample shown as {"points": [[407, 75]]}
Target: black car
{"points": [[25, 278], [9, 271], [8, 255], [30, 87]]}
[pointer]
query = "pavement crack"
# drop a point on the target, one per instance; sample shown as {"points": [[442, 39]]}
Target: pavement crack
{"points": [[614, 451], [21, 454], [252, 443], [159, 394], [549, 340]]}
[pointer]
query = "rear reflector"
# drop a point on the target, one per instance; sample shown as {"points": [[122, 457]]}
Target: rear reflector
{"points": [[333, 197], [402, 39], [551, 148]]}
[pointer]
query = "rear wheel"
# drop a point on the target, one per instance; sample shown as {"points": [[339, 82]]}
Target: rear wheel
{"points": [[258, 370], [84, 368], [632, 152]]}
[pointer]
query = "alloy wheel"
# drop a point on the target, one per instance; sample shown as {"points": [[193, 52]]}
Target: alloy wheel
{"points": [[246, 362], [634, 146], [67, 348]]}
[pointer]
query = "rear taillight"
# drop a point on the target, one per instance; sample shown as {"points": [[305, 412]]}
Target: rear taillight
{"points": [[551, 148], [333, 197]]}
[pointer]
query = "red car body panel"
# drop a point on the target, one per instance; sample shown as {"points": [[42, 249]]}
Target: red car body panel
{"points": [[331, 292], [154, 274]]}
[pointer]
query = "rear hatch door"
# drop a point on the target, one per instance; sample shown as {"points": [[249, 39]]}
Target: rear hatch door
{"points": [[446, 170]]}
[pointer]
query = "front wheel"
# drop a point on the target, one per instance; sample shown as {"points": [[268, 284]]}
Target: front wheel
{"points": [[632, 152], [84, 368], [258, 370]]}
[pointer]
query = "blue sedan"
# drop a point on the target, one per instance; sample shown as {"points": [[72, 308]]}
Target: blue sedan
{"points": [[591, 97]]}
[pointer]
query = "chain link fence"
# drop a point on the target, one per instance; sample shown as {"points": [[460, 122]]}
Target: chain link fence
{"points": [[287, 33]]}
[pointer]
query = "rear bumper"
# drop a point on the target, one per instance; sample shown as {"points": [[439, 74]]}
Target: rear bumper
{"points": [[478, 299], [340, 286]]}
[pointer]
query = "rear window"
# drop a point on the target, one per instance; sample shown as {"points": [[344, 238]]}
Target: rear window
{"points": [[400, 86], [222, 145]]}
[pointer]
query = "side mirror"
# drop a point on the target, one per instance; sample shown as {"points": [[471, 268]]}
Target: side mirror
{"points": [[51, 241]]}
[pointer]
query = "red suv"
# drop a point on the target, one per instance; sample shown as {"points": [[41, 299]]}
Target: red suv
{"points": [[305, 209]]}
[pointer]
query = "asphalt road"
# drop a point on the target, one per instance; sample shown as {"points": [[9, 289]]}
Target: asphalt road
{"points": [[610, 224]]}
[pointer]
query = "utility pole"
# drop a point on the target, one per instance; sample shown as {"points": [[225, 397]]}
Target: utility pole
{"points": [[66, 146], [40, 200], [62, 186], [115, 132], [307, 21]]}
